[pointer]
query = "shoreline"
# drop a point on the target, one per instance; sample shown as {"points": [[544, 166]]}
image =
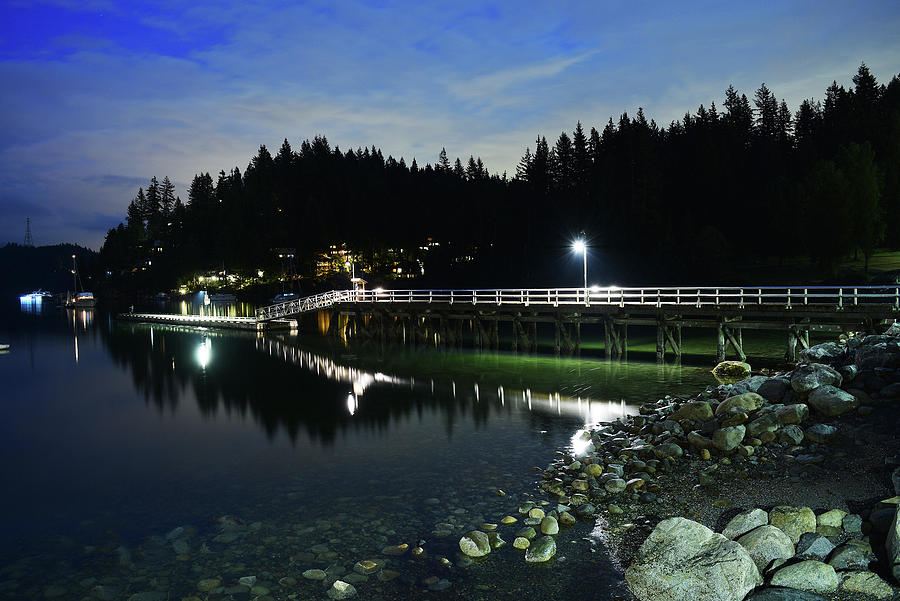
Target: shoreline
{"points": [[694, 458]]}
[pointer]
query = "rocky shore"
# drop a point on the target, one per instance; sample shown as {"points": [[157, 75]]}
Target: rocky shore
{"points": [[777, 487]]}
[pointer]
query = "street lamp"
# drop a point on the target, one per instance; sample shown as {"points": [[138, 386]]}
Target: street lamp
{"points": [[579, 246]]}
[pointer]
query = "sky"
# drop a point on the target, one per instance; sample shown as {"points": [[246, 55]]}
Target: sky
{"points": [[98, 96]]}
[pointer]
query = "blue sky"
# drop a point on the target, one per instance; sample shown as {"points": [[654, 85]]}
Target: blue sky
{"points": [[97, 96]]}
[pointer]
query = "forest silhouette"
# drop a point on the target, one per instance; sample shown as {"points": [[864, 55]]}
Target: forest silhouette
{"points": [[725, 187]]}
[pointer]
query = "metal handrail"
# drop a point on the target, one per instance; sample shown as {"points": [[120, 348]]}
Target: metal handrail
{"points": [[786, 297]]}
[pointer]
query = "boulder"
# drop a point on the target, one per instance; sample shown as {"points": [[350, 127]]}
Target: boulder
{"points": [[827, 352], [682, 560], [891, 391], [793, 521], [748, 402], [821, 433], [894, 330], [809, 376], [728, 439], [698, 411], [884, 354], [792, 414], [808, 575], [814, 546], [866, 583], [766, 543], [475, 544], [833, 517], [744, 522], [729, 372], [750, 384], [541, 550], [696, 439], [831, 401], [773, 389], [778, 593], [764, 423], [856, 554], [790, 435]]}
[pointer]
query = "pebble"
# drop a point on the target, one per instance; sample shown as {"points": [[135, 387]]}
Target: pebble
{"points": [[341, 590], [314, 574], [521, 542]]}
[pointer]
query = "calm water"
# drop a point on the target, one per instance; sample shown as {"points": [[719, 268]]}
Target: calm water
{"points": [[277, 454]]}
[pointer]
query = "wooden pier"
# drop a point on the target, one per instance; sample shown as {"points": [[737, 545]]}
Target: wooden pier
{"points": [[452, 317], [212, 321]]}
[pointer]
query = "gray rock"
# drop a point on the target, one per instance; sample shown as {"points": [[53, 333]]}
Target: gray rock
{"points": [[697, 411], [793, 521], [790, 435], [541, 550], [341, 590], [749, 401], [808, 575], [773, 389], [696, 439], [728, 439], [852, 523], [750, 384], [809, 376], [894, 330], [475, 544], [855, 554], [885, 354], [827, 351], [895, 480], [848, 372], [831, 401], [866, 583], [615, 485], [669, 449], [814, 546], [682, 560], [792, 414], [891, 391], [764, 423], [777, 593], [744, 522], [821, 433], [549, 525], [766, 543]]}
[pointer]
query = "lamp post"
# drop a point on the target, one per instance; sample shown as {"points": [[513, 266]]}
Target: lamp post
{"points": [[579, 246]]}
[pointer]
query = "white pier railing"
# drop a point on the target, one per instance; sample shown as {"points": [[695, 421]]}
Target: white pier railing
{"points": [[836, 297]]}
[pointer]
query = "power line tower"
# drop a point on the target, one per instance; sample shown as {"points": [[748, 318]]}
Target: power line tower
{"points": [[29, 242]]}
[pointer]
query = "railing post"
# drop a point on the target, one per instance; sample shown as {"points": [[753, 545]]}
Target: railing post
{"points": [[855, 296], [760, 296], [642, 296], [788, 298], [474, 297], [678, 296], [742, 298], [527, 298], [658, 298], [897, 298], [806, 296], [840, 298], [430, 292], [717, 296], [451, 297]]}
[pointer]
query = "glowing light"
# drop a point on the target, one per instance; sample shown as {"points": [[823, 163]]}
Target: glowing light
{"points": [[204, 353], [578, 246], [595, 288], [352, 403], [581, 443]]}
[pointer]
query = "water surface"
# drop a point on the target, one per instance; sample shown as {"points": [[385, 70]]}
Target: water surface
{"points": [[280, 453]]}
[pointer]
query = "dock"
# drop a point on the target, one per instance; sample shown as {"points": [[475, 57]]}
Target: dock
{"points": [[212, 321]]}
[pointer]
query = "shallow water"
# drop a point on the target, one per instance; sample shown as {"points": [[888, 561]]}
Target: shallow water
{"points": [[277, 454]]}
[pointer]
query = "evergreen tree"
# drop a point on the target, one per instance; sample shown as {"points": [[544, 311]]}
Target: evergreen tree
{"points": [[857, 164], [443, 164], [167, 196]]}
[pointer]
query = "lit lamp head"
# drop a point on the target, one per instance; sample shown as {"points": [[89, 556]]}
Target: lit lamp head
{"points": [[579, 246]]}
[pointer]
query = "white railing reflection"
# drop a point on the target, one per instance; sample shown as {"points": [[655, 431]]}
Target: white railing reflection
{"points": [[590, 410]]}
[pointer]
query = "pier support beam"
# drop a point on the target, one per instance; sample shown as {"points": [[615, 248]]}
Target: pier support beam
{"points": [[798, 334], [729, 335], [668, 334], [616, 337]]}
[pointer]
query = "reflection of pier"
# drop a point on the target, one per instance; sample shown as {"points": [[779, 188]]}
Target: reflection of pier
{"points": [[211, 321], [446, 317], [588, 409]]}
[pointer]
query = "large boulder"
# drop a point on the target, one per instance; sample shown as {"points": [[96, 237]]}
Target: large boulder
{"points": [[894, 330], [729, 372], [778, 593], [728, 439], [809, 575], [792, 414], [831, 401], [866, 583], [855, 554], [809, 376], [744, 522], [682, 560], [749, 401], [773, 389], [750, 384], [793, 521], [883, 354], [892, 545], [765, 544], [698, 411], [827, 351], [475, 544]]}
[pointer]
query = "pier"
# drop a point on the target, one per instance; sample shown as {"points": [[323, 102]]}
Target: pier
{"points": [[454, 317], [212, 321]]}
